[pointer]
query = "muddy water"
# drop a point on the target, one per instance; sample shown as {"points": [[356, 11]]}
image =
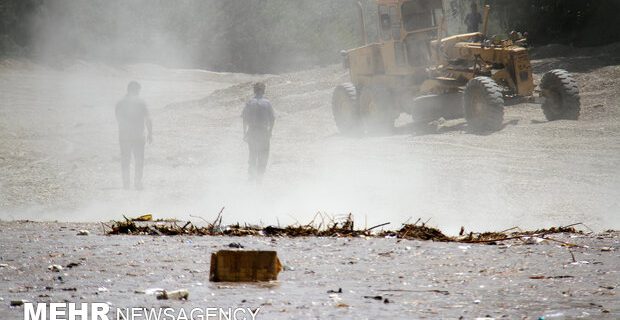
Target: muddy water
{"points": [[420, 280]]}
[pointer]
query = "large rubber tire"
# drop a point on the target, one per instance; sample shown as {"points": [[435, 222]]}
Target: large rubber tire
{"points": [[377, 108], [483, 104], [561, 92], [425, 109], [345, 108]]}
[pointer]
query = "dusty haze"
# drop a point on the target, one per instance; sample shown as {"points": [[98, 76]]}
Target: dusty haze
{"points": [[59, 156]]}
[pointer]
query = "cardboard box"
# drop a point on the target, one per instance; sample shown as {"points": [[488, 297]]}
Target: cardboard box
{"points": [[244, 266]]}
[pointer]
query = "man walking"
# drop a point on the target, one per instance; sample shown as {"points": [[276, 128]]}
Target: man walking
{"points": [[132, 116], [258, 121]]}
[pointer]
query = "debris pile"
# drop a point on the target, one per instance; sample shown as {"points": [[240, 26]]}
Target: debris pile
{"points": [[418, 232], [327, 227]]}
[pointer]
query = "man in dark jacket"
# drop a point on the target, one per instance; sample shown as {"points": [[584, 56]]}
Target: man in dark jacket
{"points": [[258, 121], [132, 116], [473, 19]]}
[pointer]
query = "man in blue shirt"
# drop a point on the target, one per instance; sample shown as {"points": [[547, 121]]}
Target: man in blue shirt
{"points": [[258, 121]]}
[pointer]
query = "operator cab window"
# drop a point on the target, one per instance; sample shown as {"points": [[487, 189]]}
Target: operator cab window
{"points": [[386, 22], [418, 15]]}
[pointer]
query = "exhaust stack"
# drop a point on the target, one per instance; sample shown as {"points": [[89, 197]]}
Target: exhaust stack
{"points": [[485, 19], [362, 23]]}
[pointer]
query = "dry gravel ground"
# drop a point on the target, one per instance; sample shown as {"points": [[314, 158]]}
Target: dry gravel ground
{"points": [[421, 280]]}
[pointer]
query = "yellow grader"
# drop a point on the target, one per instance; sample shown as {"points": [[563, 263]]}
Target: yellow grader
{"points": [[417, 69]]}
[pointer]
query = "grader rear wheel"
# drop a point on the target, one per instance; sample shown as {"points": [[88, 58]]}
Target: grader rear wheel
{"points": [[484, 105], [561, 92], [345, 108], [377, 108]]}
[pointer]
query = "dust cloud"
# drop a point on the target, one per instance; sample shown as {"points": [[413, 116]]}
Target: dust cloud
{"points": [[61, 156]]}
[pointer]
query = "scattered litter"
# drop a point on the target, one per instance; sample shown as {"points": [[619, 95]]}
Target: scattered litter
{"points": [[552, 315], [102, 289], [54, 268], [244, 266], [335, 291], [18, 303], [146, 217], [607, 249], [83, 233], [4, 265], [225, 287], [236, 245], [182, 294], [476, 301], [72, 265], [335, 297], [150, 292], [374, 297], [550, 277], [533, 240], [444, 292]]}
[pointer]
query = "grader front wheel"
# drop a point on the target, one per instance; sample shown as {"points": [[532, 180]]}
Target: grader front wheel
{"points": [[345, 108], [484, 105], [562, 100]]}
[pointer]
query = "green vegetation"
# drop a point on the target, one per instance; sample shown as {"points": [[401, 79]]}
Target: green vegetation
{"points": [[252, 36]]}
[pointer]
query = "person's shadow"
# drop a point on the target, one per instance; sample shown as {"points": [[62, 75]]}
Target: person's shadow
{"points": [[424, 129], [434, 128]]}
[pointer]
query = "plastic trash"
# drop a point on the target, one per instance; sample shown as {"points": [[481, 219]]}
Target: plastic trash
{"points": [[54, 268], [182, 294], [17, 303], [144, 218]]}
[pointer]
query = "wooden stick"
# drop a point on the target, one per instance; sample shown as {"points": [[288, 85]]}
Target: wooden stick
{"points": [[377, 226]]}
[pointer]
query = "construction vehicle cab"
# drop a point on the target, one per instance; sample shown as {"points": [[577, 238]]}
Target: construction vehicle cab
{"points": [[415, 67], [405, 29]]}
